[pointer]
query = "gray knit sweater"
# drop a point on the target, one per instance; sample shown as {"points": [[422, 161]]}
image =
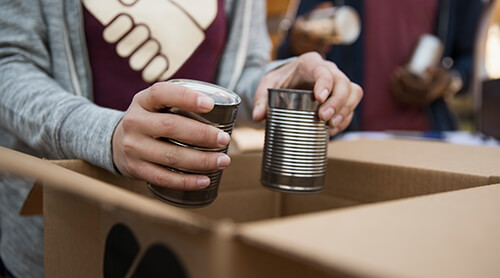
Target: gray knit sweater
{"points": [[46, 106]]}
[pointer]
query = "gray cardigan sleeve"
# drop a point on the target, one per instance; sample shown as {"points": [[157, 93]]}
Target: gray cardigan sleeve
{"points": [[36, 107], [257, 49]]}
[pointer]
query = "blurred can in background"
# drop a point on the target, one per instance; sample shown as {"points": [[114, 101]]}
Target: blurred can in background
{"points": [[222, 116], [339, 25], [296, 143], [427, 53]]}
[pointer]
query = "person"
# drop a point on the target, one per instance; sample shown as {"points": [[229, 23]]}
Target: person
{"points": [[86, 80], [395, 97]]}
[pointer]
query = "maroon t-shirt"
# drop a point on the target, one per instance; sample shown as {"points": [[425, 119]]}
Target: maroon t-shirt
{"points": [[117, 72], [392, 29]]}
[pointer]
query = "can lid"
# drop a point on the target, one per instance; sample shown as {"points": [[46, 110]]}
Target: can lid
{"points": [[220, 95]]}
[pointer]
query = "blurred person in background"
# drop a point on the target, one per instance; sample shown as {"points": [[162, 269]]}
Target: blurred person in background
{"points": [[395, 97], [85, 80]]}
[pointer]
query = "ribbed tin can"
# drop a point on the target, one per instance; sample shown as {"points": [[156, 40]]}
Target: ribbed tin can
{"points": [[296, 143], [222, 116]]}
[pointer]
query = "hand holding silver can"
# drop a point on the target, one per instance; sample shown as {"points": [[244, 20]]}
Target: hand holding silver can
{"points": [[221, 116], [296, 143]]}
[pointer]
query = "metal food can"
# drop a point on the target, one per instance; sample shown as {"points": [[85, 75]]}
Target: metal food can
{"points": [[427, 53], [296, 143], [222, 116]]}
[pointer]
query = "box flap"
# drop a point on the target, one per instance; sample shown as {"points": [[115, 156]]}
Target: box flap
{"points": [[431, 155], [452, 234], [95, 191], [33, 205], [247, 139]]}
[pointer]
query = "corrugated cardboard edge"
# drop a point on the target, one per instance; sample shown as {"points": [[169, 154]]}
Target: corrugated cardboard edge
{"points": [[431, 155], [33, 205], [470, 214], [93, 190]]}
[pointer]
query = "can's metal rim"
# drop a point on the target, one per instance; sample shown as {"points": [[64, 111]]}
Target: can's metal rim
{"points": [[298, 91], [210, 89]]}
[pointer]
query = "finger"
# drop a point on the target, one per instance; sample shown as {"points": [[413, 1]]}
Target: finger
{"points": [[334, 130], [177, 127], [355, 95], [275, 79], [339, 96], [414, 81], [439, 88], [165, 94], [161, 176], [168, 154]]}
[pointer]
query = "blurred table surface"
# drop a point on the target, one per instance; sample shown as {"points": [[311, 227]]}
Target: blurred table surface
{"points": [[455, 137]]}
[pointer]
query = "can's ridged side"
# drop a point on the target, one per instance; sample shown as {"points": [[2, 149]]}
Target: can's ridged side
{"points": [[222, 116], [296, 143]]}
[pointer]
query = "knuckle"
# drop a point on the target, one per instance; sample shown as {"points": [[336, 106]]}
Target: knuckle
{"points": [[357, 90], [168, 124], [162, 178], [155, 90], [344, 111], [332, 65], [184, 182], [132, 168], [207, 161], [128, 145], [129, 122], [311, 55], [206, 133], [185, 94], [172, 157]]}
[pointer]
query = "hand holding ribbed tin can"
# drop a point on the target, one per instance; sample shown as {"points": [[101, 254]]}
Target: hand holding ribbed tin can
{"points": [[296, 143], [222, 116]]}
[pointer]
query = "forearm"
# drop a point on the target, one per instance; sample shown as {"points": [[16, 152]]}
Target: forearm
{"points": [[52, 121]]}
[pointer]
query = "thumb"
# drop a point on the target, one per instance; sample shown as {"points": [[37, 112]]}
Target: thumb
{"points": [[278, 78], [260, 102]]}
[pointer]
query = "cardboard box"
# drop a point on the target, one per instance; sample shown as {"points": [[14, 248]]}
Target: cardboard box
{"points": [[99, 225]]}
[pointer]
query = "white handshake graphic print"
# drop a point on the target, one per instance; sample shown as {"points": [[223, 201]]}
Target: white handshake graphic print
{"points": [[157, 35]]}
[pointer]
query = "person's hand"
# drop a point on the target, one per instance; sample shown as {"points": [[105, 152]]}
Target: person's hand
{"points": [[336, 93], [303, 40], [139, 152], [416, 91]]}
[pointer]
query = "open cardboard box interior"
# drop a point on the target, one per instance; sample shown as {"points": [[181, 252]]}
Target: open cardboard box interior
{"points": [[229, 238]]}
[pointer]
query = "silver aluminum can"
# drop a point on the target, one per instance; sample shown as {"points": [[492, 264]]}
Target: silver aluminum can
{"points": [[296, 143], [222, 116]]}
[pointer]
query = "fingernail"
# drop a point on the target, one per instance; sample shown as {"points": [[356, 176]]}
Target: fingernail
{"points": [[205, 103], [223, 161], [203, 181], [337, 120], [328, 114], [323, 95], [223, 138]]}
